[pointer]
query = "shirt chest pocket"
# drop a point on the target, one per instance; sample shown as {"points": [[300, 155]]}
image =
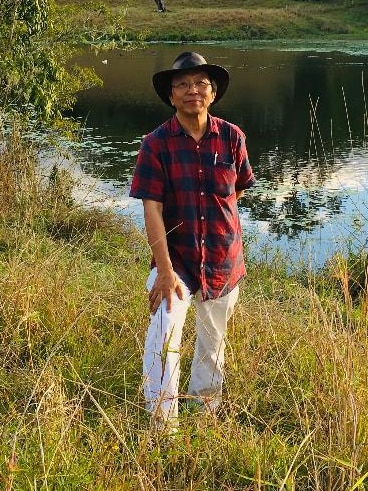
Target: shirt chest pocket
{"points": [[222, 178]]}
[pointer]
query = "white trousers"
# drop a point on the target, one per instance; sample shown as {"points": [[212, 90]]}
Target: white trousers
{"points": [[161, 360]]}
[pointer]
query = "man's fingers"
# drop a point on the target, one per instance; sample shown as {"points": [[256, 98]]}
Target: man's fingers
{"points": [[179, 291], [159, 292], [168, 303], [155, 298]]}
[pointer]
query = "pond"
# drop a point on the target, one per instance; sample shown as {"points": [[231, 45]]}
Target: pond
{"points": [[304, 111]]}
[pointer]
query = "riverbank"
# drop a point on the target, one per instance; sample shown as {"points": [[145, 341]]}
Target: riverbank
{"points": [[73, 314], [220, 21]]}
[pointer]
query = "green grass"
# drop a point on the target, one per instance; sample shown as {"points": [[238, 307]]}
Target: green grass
{"points": [[73, 315], [216, 20]]}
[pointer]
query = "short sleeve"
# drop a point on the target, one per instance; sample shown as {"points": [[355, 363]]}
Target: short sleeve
{"points": [[148, 178], [246, 177]]}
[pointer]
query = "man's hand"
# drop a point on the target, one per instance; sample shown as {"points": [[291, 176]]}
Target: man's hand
{"points": [[167, 282], [165, 286]]}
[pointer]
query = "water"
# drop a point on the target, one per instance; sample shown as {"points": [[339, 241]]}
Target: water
{"points": [[304, 111]]}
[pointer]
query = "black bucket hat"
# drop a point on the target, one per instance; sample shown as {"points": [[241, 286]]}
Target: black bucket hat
{"points": [[190, 61]]}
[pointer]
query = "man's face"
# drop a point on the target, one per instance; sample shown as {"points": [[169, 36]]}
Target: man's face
{"points": [[192, 92]]}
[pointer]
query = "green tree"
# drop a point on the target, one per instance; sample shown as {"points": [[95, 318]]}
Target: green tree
{"points": [[33, 62]]}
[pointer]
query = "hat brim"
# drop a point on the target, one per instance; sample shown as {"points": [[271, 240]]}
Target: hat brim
{"points": [[162, 80]]}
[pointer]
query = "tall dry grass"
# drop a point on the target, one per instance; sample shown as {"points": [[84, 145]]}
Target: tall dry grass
{"points": [[73, 316]]}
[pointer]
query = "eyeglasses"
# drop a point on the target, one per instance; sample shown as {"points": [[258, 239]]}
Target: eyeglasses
{"points": [[200, 85]]}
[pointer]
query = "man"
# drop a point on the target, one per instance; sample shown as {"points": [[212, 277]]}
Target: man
{"points": [[190, 172], [160, 6]]}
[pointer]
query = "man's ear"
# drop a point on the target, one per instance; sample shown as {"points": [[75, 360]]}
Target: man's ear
{"points": [[171, 100]]}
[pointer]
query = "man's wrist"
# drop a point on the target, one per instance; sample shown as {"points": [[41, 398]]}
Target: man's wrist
{"points": [[163, 269]]}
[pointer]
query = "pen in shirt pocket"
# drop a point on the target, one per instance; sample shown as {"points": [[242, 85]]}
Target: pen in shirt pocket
{"points": [[215, 159]]}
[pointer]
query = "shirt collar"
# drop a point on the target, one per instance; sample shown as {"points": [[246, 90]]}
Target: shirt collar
{"points": [[176, 128]]}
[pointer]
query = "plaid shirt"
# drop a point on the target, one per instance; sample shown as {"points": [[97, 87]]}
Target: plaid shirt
{"points": [[196, 182]]}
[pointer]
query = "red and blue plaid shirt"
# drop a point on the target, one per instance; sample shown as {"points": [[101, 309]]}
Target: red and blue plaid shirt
{"points": [[197, 184]]}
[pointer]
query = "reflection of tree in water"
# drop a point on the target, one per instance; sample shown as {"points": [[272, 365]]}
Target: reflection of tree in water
{"points": [[295, 214], [290, 196], [295, 120]]}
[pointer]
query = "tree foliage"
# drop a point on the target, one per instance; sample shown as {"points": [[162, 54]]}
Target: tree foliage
{"points": [[33, 62]]}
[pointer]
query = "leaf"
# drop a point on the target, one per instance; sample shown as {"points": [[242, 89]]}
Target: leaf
{"points": [[359, 482]]}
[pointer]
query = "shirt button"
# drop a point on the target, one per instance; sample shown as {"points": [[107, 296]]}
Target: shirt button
{"points": [[197, 146], [202, 241], [202, 217], [202, 193], [200, 171], [202, 265]]}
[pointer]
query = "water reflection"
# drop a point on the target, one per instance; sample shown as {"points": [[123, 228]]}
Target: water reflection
{"points": [[300, 203], [305, 116]]}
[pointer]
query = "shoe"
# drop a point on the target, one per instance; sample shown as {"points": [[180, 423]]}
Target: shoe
{"points": [[200, 406]]}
